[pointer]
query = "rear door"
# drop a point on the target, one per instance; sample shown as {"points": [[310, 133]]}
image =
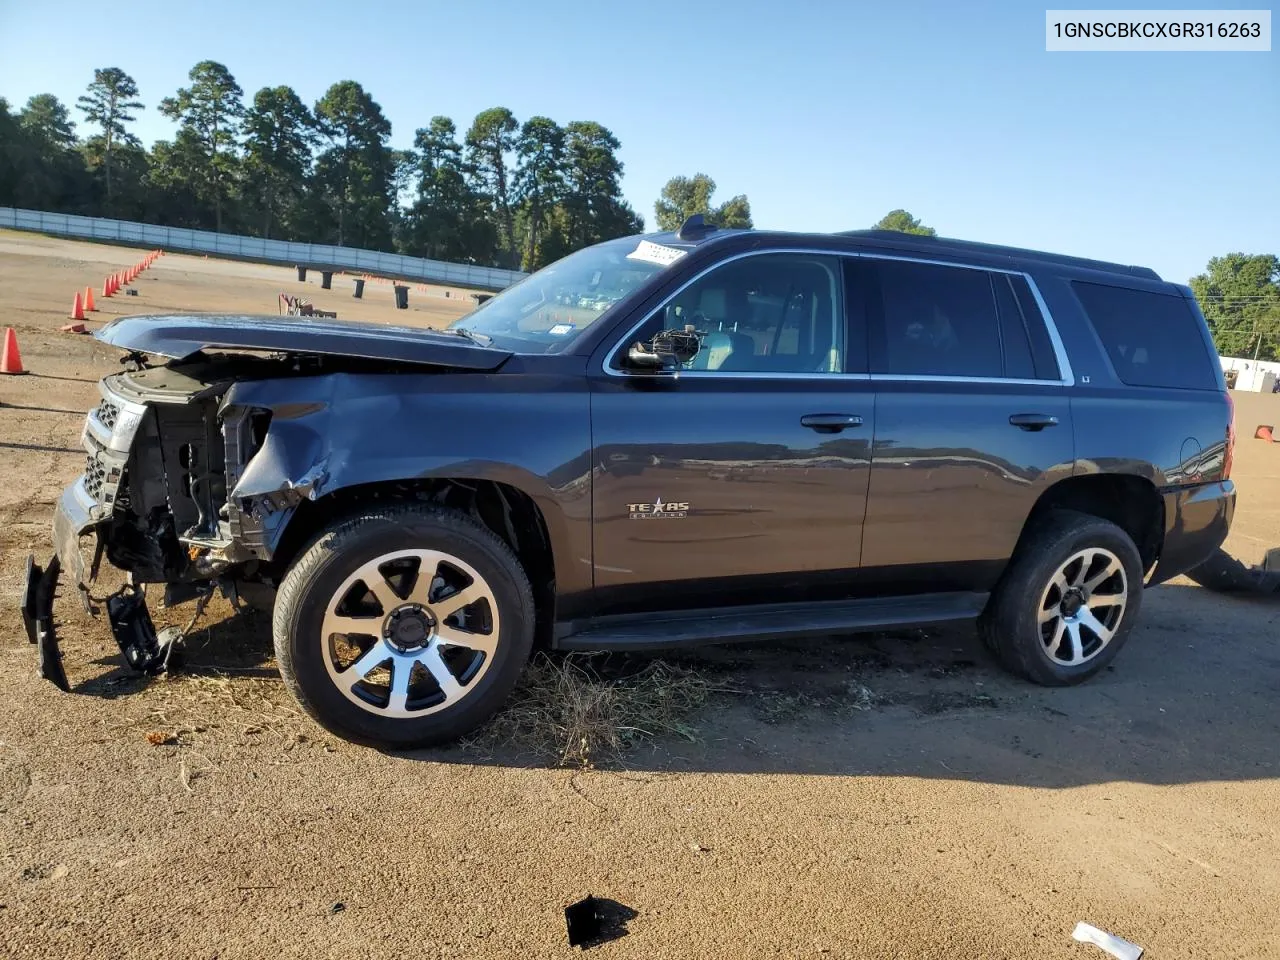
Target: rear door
{"points": [[973, 421]]}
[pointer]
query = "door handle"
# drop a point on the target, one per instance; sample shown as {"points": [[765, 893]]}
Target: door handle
{"points": [[1033, 421], [830, 422]]}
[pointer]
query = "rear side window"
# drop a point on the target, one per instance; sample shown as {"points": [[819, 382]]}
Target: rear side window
{"points": [[929, 319], [1041, 346], [1013, 331], [937, 321], [1153, 339]]}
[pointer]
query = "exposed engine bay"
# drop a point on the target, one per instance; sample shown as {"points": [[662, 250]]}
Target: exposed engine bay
{"points": [[172, 520]]}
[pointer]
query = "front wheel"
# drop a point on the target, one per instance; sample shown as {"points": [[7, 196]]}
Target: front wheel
{"points": [[1067, 602], [406, 626]]}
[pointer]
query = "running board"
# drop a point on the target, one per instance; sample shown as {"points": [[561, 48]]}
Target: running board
{"points": [[766, 622]]}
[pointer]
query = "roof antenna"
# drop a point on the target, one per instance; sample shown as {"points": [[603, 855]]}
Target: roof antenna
{"points": [[694, 228]]}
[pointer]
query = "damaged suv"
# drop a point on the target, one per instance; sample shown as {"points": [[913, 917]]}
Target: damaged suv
{"points": [[704, 435]]}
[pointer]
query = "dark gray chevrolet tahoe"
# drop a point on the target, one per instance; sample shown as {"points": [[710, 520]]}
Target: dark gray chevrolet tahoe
{"points": [[691, 436]]}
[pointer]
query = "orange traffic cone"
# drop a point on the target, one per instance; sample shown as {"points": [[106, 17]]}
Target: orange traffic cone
{"points": [[1264, 433], [10, 359], [88, 301], [77, 308], [106, 288], [73, 328]]}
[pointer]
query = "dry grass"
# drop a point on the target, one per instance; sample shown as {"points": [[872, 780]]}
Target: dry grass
{"points": [[573, 711], [183, 707]]}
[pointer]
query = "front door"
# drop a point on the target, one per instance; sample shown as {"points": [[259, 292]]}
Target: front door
{"points": [[744, 479]]}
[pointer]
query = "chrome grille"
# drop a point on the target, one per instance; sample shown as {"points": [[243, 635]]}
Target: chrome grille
{"points": [[107, 412], [95, 477], [108, 449], [102, 474]]}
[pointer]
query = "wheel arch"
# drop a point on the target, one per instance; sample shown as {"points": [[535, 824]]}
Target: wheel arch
{"points": [[1131, 502], [526, 522]]}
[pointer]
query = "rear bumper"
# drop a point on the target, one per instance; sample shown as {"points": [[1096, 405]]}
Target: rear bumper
{"points": [[1196, 521]]}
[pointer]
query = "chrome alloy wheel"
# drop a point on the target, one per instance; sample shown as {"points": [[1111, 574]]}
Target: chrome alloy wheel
{"points": [[1081, 608], [410, 633]]}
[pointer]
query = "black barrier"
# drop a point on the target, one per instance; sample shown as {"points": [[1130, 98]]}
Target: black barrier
{"points": [[402, 297], [326, 279], [302, 274], [359, 290]]}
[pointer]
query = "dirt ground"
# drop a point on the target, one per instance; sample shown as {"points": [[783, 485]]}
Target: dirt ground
{"points": [[889, 796]]}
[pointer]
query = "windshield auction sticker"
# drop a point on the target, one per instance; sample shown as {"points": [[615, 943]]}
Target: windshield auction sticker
{"points": [[1157, 30], [651, 252]]}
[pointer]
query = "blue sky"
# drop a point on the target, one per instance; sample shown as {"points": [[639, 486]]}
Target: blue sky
{"points": [[826, 114]]}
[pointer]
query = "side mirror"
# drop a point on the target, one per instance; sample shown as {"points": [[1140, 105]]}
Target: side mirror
{"points": [[643, 358], [666, 352]]}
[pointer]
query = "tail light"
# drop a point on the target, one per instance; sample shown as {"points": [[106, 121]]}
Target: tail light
{"points": [[1230, 454]]}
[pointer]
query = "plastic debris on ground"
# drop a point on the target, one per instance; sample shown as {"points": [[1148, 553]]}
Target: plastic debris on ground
{"points": [[1118, 947], [583, 921]]}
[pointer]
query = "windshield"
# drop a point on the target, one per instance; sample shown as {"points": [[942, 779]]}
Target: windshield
{"points": [[545, 312]]}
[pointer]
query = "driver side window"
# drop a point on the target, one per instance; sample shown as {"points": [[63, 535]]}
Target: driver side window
{"points": [[772, 313]]}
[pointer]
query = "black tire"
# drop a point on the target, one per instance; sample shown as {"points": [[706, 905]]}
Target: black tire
{"points": [[333, 555], [1010, 628]]}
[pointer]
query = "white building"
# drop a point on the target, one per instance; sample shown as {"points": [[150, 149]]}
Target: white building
{"points": [[1259, 376]]}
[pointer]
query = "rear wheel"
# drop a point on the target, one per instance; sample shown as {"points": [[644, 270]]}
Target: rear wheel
{"points": [[407, 626], [1068, 601]]}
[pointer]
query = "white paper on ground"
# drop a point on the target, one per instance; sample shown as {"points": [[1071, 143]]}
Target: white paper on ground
{"points": [[1116, 946]]}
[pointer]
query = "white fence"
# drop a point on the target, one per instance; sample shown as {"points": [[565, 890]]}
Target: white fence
{"points": [[314, 255]]}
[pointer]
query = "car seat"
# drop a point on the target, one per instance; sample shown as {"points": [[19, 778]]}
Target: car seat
{"points": [[718, 314]]}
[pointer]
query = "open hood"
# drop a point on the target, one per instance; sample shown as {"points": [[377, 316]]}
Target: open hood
{"points": [[182, 335]]}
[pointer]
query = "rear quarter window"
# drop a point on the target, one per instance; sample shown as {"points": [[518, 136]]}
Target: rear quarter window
{"points": [[1153, 339]]}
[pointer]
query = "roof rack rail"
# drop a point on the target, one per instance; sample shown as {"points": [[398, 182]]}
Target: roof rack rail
{"points": [[991, 249]]}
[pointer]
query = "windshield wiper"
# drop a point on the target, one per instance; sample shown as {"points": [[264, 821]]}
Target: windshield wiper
{"points": [[481, 338]]}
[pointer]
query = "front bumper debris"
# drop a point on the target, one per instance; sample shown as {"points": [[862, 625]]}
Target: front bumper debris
{"points": [[144, 650], [76, 514], [37, 617]]}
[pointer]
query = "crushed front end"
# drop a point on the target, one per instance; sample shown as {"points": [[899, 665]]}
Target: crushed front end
{"points": [[161, 454], [197, 463]]}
